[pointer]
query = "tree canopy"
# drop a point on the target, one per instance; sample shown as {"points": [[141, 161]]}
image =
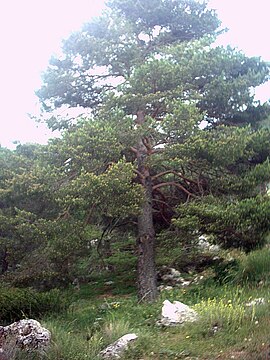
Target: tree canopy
{"points": [[173, 138]]}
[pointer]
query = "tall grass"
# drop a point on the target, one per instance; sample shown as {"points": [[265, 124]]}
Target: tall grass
{"points": [[71, 344], [225, 322], [255, 267], [221, 313]]}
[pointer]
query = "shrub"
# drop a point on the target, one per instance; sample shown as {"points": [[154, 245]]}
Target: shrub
{"points": [[255, 266], [16, 304], [226, 270]]}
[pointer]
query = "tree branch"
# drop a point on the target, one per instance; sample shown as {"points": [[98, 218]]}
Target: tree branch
{"points": [[174, 173], [141, 176], [134, 150], [173, 183], [163, 203], [146, 142]]}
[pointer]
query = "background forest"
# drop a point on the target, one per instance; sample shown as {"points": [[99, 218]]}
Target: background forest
{"points": [[171, 148]]}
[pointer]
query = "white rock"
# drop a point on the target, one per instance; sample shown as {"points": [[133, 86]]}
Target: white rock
{"points": [[165, 287], [108, 283], [94, 242], [25, 334], [168, 277], [176, 313], [116, 349], [198, 278], [258, 301], [170, 310], [170, 273], [175, 273], [204, 245], [214, 248]]}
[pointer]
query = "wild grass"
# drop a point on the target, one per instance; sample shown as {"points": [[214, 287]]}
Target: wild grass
{"points": [[255, 267], [218, 314], [226, 324], [227, 327]]}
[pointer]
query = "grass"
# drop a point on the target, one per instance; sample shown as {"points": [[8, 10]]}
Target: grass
{"points": [[92, 323], [227, 328], [255, 267]]}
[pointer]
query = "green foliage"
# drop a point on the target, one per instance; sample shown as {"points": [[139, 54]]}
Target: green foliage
{"points": [[122, 252], [255, 267], [151, 75], [179, 250], [174, 16], [99, 45], [16, 304], [242, 224], [112, 193], [69, 344], [226, 270], [226, 324]]}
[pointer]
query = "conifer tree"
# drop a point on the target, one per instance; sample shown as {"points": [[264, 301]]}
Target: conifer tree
{"points": [[150, 75]]}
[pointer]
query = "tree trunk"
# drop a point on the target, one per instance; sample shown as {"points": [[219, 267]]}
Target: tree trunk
{"points": [[146, 269], [4, 261]]}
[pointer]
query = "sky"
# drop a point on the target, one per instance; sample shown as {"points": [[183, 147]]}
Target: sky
{"points": [[31, 31]]}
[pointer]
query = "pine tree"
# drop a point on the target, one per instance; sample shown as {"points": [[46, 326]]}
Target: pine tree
{"points": [[150, 75]]}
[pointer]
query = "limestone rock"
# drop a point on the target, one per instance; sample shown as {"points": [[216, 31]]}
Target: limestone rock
{"points": [[185, 283], [175, 273], [255, 302], [109, 283], [165, 288], [26, 335], [204, 245], [171, 277], [176, 313], [116, 349]]}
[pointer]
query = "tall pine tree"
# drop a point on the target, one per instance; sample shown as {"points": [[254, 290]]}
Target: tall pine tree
{"points": [[150, 75]]}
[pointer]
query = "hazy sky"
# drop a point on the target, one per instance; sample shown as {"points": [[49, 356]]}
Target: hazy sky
{"points": [[32, 30]]}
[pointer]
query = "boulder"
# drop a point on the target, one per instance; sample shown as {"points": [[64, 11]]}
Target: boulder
{"points": [[26, 335], [116, 349], [176, 313]]}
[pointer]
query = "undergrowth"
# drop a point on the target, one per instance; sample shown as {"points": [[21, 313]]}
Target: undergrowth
{"points": [[226, 324], [229, 326], [16, 303]]}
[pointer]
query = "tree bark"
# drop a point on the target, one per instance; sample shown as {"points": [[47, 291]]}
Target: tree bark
{"points": [[4, 261], [146, 269]]}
